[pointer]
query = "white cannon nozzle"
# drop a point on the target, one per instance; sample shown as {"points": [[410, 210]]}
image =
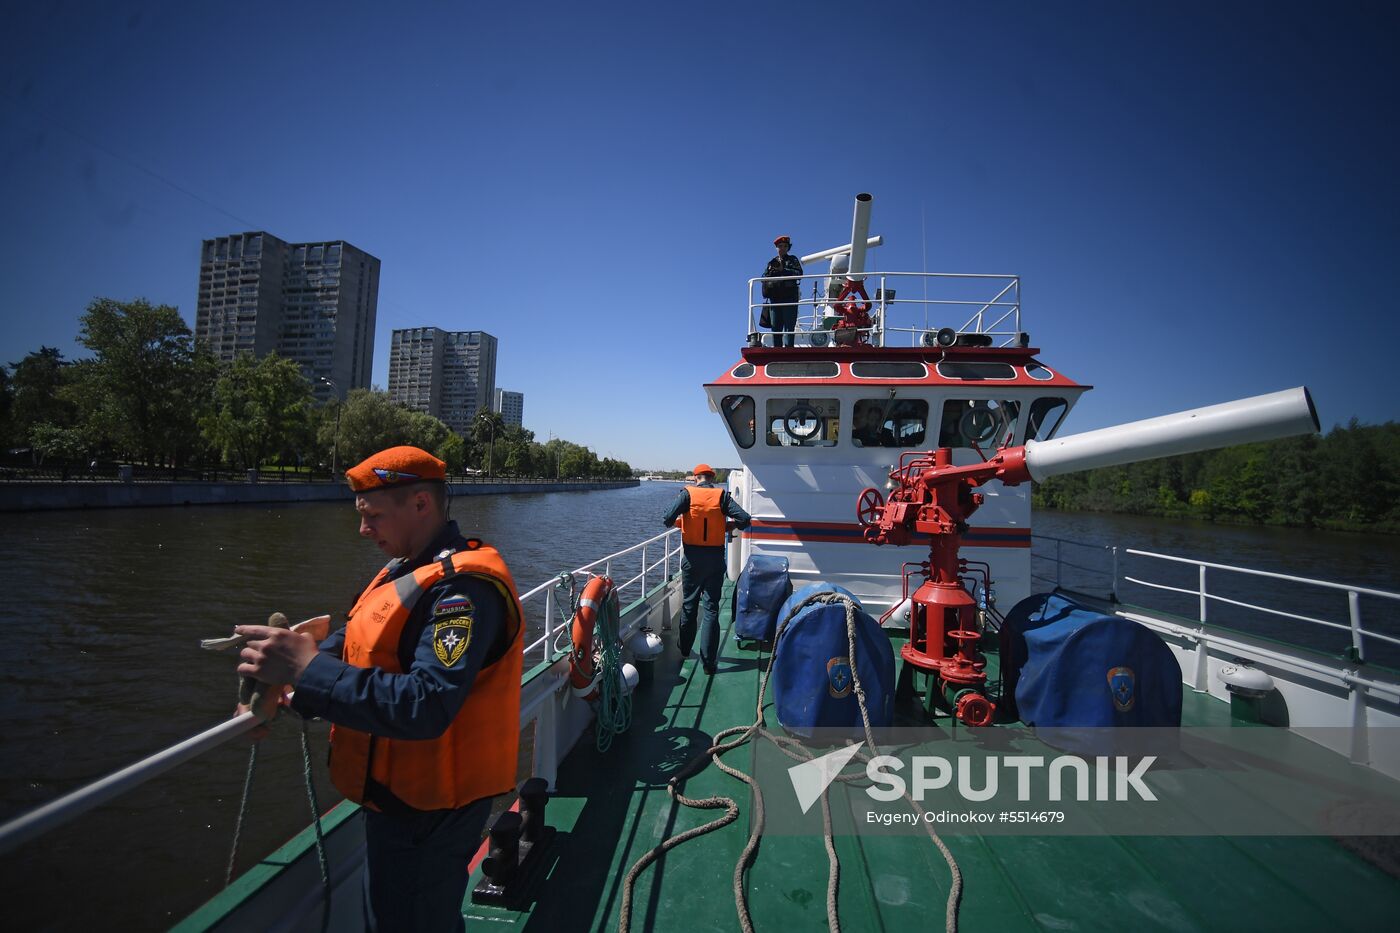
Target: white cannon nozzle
{"points": [[1261, 418]]}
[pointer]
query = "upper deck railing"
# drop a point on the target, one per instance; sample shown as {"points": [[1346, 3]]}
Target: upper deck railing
{"points": [[907, 308]]}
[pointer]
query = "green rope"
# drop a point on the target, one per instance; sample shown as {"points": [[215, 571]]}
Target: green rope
{"points": [[242, 812], [316, 822], [614, 703]]}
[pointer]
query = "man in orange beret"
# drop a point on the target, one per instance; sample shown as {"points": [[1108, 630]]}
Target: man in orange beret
{"points": [[705, 512], [422, 686]]}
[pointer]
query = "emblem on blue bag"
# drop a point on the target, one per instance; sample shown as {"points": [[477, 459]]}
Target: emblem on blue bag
{"points": [[838, 676], [1121, 684]]}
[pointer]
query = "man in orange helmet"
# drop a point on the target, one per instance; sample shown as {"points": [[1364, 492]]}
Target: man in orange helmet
{"points": [[422, 687], [705, 512]]}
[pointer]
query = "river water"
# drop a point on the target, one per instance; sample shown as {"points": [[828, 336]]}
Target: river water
{"points": [[102, 666]]}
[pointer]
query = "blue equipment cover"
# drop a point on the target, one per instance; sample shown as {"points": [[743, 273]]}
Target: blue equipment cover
{"points": [[1069, 666], [813, 690], [762, 587], [811, 589]]}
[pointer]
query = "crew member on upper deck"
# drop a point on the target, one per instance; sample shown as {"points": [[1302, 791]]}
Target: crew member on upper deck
{"points": [[783, 296], [703, 510], [422, 686]]}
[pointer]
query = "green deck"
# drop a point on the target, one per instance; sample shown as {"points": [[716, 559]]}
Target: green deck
{"points": [[611, 808]]}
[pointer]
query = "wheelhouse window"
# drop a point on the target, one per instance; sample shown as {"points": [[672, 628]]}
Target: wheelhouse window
{"points": [[738, 414], [802, 422], [819, 369], [1046, 415], [980, 422], [888, 422], [950, 369], [866, 369]]}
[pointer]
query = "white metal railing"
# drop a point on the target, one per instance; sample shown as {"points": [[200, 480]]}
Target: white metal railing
{"points": [[1060, 563], [1204, 597], [996, 315], [556, 622], [57, 812]]}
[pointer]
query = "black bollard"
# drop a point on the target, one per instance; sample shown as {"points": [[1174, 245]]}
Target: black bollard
{"points": [[500, 862], [534, 795]]}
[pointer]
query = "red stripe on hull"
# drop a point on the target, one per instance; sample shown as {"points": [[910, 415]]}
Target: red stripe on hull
{"points": [[851, 533]]}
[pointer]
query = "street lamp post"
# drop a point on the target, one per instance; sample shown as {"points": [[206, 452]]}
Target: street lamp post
{"points": [[335, 442], [490, 444]]}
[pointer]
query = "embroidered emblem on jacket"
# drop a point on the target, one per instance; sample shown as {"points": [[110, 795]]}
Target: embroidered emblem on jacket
{"points": [[450, 639]]}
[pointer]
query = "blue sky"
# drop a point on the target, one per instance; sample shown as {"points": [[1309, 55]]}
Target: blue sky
{"points": [[1200, 197]]}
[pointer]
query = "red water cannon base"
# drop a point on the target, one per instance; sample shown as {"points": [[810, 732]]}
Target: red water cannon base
{"points": [[931, 497]]}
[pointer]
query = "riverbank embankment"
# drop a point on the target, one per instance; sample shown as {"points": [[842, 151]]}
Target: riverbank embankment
{"points": [[40, 497]]}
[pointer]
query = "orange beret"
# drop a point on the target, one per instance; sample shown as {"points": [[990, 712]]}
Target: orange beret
{"points": [[397, 466], [701, 468]]}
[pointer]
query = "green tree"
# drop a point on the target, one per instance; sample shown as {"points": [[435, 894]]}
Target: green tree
{"points": [[36, 385], [51, 440], [146, 388], [370, 421], [488, 431], [7, 404], [259, 408]]}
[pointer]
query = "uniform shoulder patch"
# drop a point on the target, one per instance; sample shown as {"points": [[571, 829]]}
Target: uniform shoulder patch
{"points": [[451, 637], [453, 604]]}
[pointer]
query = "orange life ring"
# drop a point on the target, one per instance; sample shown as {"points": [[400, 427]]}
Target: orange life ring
{"points": [[582, 673]]}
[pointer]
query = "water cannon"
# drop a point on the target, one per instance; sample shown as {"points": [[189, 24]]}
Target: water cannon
{"points": [[929, 496]]}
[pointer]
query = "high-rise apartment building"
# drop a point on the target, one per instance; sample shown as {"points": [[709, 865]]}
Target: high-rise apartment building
{"points": [[450, 375], [314, 303], [511, 406]]}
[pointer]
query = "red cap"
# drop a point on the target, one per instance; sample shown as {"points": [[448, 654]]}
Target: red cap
{"points": [[702, 468], [784, 238], [397, 466]]}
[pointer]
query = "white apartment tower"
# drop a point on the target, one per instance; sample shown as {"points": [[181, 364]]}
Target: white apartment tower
{"points": [[510, 405], [450, 375], [314, 303]]}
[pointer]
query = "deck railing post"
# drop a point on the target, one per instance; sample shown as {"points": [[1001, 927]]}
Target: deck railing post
{"points": [[644, 570], [1201, 681], [1354, 610], [1203, 593], [1113, 591], [548, 621]]}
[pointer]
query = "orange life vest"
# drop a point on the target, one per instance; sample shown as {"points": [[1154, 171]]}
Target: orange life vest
{"points": [[476, 756], [704, 523]]}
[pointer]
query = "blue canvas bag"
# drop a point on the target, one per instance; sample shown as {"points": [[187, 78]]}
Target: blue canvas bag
{"points": [[761, 589]]}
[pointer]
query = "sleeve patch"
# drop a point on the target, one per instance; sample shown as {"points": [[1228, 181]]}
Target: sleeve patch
{"points": [[453, 604], [451, 637]]}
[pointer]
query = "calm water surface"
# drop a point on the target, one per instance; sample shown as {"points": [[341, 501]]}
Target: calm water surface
{"points": [[102, 666]]}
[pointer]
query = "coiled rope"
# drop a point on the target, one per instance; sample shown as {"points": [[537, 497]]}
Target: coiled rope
{"points": [[797, 752], [614, 702]]}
